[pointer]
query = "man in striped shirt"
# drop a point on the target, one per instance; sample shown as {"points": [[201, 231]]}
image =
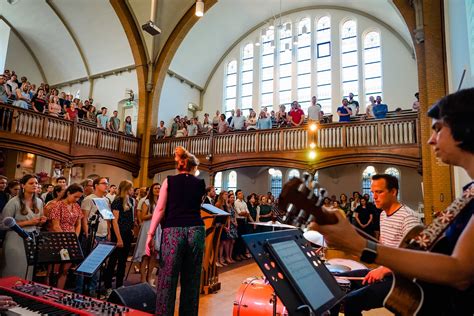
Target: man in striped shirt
{"points": [[396, 220]]}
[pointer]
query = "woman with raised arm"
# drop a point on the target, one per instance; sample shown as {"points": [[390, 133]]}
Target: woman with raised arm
{"points": [[182, 245]]}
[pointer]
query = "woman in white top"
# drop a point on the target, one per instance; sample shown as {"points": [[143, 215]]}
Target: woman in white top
{"points": [[252, 120], [146, 213], [27, 210]]}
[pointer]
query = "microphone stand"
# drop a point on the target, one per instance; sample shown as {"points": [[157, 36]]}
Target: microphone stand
{"points": [[93, 225]]}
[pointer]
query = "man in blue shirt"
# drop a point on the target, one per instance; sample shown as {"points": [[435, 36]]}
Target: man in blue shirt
{"points": [[380, 109], [344, 111]]}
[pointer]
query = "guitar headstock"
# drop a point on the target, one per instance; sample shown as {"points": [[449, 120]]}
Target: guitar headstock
{"points": [[301, 200]]}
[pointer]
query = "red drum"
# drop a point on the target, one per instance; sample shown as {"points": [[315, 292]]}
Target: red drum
{"points": [[255, 298]]}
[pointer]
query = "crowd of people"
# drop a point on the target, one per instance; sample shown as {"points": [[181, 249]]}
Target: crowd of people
{"points": [[43, 99], [349, 110]]}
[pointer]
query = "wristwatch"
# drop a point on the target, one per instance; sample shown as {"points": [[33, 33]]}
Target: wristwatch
{"points": [[369, 254]]}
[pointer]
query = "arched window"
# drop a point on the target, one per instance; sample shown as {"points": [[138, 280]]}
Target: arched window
{"points": [[230, 95], [232, 181], [304, 63], [286, 46], [366, 178], [323, 63], [247, 79], [372, 65], [267, 67], [276, 181], [316, 176], [218, 182], [349, 58], [293, 173], [396, 173]]}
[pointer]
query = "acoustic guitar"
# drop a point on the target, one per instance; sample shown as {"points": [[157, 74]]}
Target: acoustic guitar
{"points": [[301, 200]]}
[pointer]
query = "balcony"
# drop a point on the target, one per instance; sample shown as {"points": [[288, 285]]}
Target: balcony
{"points": [[66, 141], [394, 140]]}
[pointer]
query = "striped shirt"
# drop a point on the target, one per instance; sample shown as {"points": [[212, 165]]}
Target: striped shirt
{"points": [[394, 227]]}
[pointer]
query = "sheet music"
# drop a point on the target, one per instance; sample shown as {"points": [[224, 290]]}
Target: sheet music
{"points": [[95, 259], [303, 273]]}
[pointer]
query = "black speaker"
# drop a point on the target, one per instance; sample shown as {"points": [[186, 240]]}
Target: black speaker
{"points": [[140, 296]]}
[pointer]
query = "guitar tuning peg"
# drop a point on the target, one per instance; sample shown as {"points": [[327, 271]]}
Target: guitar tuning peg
{"points": [[307, 177], [301, 187], [290, 208]]}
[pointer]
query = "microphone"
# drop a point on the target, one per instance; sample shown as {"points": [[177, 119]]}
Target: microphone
{"points": [[10, 223]]}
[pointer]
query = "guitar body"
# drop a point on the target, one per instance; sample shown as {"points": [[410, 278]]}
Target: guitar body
{"points": [[410, 297]]}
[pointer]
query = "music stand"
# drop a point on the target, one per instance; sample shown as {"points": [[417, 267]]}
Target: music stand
{"points": [[94, 261], [299, 278], [51, 248]]}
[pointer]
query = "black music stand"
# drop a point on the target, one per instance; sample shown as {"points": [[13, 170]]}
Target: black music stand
{"points": [[52, 248], [299, 278], [94, 261]]}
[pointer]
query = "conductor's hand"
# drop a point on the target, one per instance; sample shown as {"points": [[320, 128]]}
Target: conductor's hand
{"points": [[149, 245], [341, 235], [6, 302], [376, 275]]}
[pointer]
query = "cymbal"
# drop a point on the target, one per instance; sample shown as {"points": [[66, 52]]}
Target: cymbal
{"points": [[337, 268], [271, 224], [314, 237]]}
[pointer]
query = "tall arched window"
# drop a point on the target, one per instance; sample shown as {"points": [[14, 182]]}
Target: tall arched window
{"points": [[293, 173], [267, 67], [396, 173], [349, 58], [286, 45], [316, 176], [218, 182], [323, 63], [276, 182], [304, 63], [372, 65], [230, 96], [232, 181], [366, 178], [247, 79]]}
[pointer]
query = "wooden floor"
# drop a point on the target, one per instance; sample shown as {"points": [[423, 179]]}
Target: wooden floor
{"points": [[231, 278], [221, 303]]}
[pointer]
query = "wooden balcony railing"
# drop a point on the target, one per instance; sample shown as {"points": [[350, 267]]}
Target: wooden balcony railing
{"points": [[65, 140], [381, 138]]}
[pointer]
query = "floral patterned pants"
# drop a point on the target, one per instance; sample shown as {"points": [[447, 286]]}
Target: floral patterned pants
{"points": [[181, 256]]}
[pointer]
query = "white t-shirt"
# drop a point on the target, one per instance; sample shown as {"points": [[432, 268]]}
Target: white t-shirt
{"points": [[140, 203], [394, 227], [89, 206], [314, 112], [111, 197]]}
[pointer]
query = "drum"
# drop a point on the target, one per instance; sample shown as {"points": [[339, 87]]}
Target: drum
{"points": [[255, 298], [344, 284], [343, 265]]}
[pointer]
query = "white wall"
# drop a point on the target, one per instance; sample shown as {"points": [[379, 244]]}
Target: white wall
{"points": [[4, 38], [460, 55], [110, 90], [175, 96], [20, 60], [459, 42], [399, 70]]}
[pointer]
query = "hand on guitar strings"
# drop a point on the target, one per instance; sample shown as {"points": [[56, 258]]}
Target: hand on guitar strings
{"points": [[341, 235]]}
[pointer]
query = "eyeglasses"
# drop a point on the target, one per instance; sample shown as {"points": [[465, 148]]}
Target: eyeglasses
{"points": [[103, 183]]}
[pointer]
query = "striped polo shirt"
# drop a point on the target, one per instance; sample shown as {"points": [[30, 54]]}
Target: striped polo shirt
{"points": [[394, 227]]}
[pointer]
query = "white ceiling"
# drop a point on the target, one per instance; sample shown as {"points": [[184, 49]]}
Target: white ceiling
{"points": [[99, 33], [228, 20], [94, 24]]}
